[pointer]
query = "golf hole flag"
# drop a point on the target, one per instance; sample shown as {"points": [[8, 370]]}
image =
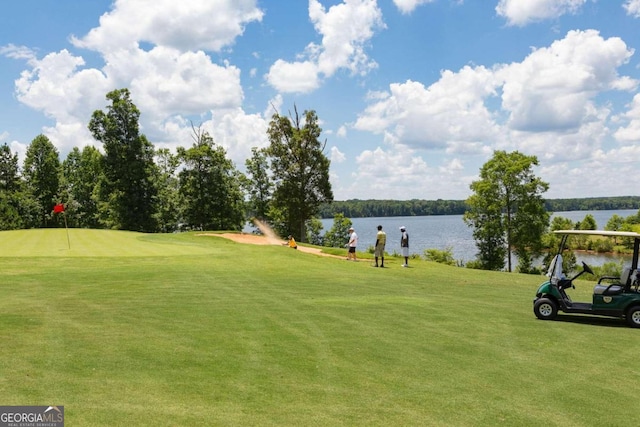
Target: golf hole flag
{"points": [[57, 209]]}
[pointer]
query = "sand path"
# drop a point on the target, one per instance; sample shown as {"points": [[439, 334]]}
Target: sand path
{"points": [[254, 239]]}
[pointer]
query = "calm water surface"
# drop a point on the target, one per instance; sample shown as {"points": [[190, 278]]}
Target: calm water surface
{"points": [[450, 231]]}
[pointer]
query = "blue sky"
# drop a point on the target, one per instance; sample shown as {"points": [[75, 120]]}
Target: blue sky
{"points": [[413, 95]]}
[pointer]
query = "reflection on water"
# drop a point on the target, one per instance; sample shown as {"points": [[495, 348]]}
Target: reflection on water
{"points": [[443, 231], [599, 259]]}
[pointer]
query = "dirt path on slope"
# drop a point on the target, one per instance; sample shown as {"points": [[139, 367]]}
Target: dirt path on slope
{"points": [[254, 239]]}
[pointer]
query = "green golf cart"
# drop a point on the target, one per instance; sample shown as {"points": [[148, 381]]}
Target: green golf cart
{"points": [[612, 296]]}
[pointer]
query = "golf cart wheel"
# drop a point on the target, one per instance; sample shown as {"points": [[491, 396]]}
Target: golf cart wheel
{"points": [[633, 316], [547, 309]]}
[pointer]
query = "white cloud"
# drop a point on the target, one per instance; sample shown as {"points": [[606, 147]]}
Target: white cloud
{"points": [[68, 134], [400, 173], [232, 129], [167, 84], [183, 25], [17, 52], [65, 93], [632, 7], [165, 81], [569, 176], [299, 77], [18, 148], [383, 174], [274, 106], [548, 103], [408, 6], [630, 134], [451, 109], [345, 29], [238, 132], [557, 146], [451, 167], [554, 88], [523, 12], [467, 148], [337, 156], [56, 86]]}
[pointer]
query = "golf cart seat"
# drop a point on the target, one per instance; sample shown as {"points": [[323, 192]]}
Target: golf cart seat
{"points": [[617, 287], [608, 289]]}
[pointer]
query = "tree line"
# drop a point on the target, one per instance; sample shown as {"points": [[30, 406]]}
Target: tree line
{"points": [[130, 185], [356, 208], [593, 204]]}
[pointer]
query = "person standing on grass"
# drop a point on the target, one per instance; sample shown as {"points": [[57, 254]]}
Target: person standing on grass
{"points": [[381, 241], [353, 242], [404, 245]]}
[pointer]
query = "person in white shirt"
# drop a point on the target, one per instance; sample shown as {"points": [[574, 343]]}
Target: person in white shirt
{"points": [[381, 240], [353, 242], [404, 246]]}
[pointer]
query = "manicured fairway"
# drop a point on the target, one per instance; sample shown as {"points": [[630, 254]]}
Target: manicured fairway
{"points": [[126, 329]]}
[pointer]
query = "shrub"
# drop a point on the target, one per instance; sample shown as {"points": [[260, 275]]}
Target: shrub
{"points": [[602, 245], [475, 264], [440, 256], [613, 269]]}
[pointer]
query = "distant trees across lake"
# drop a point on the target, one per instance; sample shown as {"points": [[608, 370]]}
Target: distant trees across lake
{"points": [[356, 208]]}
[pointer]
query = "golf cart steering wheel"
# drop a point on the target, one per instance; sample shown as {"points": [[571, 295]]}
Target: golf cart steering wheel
{"points": [[586, 268]]}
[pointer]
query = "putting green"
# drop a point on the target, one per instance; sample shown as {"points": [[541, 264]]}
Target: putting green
{"points": [[54, 242]]}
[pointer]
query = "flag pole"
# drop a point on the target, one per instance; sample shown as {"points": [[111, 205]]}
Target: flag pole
{"points": [[67, 228], [59, 208]]}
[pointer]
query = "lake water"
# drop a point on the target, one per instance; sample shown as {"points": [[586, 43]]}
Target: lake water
{"points": [[443, 231]]}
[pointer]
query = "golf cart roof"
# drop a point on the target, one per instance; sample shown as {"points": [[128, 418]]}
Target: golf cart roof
{"points": [[600, 233]]}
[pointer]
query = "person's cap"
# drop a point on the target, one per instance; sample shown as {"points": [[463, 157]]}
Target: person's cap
{"points": [[351, 229], [402, 228]]}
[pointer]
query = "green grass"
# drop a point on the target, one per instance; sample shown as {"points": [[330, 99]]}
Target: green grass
{"points": [[129, 329]]}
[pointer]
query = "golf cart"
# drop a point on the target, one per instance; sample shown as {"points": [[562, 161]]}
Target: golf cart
{"points": [[612, 296]]}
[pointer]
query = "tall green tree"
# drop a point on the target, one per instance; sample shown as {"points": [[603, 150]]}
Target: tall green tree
{"points": [[168, 190], [128, 191], [9, 170], [258, 184], [588, 223], [338, 235], [506, 211], [12, 200], [81, 174], [209, 186], [300, 171], [42, 173], [614, 223]]}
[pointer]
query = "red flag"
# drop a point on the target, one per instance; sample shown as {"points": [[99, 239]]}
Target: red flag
{"points": [[59, 208]]}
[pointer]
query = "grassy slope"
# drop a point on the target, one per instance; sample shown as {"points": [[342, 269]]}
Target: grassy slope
{"points": [[131, 329]]}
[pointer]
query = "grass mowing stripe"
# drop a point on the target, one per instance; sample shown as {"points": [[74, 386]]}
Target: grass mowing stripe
{"points": [[52, 242]]}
